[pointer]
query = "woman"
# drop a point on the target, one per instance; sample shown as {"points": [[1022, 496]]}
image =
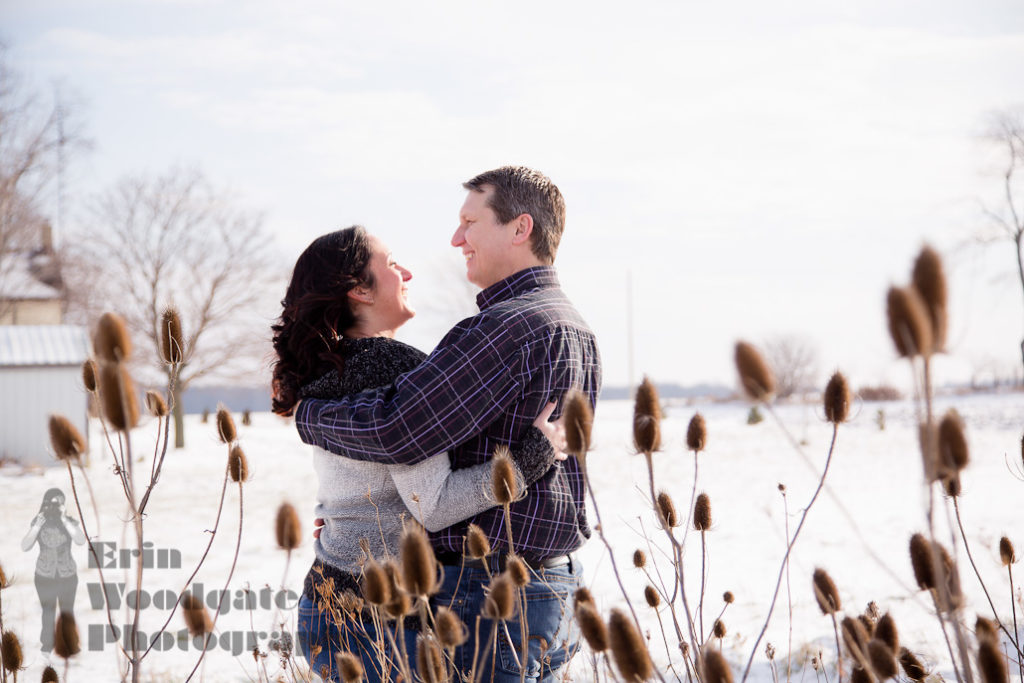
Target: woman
{"points": [[56, 576], [346, 299]]}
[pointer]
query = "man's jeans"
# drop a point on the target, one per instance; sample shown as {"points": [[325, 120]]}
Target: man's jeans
{"points": [[317, 628], [553, 636]]}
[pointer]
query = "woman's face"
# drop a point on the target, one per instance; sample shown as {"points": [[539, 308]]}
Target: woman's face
{"points": [[390, 308]]}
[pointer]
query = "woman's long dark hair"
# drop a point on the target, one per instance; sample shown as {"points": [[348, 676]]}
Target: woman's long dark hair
{"points": [[317, 311]]}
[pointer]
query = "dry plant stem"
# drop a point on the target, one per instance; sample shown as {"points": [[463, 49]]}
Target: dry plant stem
{"points": [[678, 561], [1013, 606], [703, 581], [789, 598], [92, 548], [789, 550], [611, 554], [158, 463], [839, 653], [693, 497], [866, 547], [520, 599], [227, 582], [967, 548], [664, 638], [202, 559]]}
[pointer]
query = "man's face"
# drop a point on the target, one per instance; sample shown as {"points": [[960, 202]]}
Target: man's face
{"points": [[484, 241]]}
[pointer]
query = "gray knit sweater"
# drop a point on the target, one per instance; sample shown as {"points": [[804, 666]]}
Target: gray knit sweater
{"points": [[367, 500]]}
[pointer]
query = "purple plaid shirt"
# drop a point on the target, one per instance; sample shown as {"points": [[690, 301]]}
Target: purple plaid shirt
{"points": [[482, 387]]}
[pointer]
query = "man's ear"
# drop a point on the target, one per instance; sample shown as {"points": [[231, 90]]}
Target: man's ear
{"points": [[360, 294], [523, 228]]}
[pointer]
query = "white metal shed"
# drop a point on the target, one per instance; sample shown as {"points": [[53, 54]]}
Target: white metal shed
{"points": [[40, 375]]}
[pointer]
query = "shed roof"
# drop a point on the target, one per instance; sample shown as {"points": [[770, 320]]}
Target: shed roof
{"points": [[17, 280], [43, 345]]}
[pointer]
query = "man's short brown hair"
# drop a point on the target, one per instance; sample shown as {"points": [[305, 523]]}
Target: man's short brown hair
{"points": [[518, 190]]}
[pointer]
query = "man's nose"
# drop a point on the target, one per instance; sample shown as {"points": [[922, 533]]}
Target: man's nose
{"points": [[406, 274], [459, 238]]}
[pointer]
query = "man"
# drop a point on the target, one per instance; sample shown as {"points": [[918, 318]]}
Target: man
{"points": [[480, 389]]}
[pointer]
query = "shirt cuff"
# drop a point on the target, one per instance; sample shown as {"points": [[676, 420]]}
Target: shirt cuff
{"points": [[307, 420]]}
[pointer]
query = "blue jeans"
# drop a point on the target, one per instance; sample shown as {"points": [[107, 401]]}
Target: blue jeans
{"points": [[552, 633], [320, 639]]}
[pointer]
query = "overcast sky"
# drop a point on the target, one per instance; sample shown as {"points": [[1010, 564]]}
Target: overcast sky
{"points": [[759, 168]]}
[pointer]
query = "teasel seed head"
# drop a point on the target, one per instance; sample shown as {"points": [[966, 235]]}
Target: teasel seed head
{"points": [[714, 668], [504, 486], [501, 598], [66, 642], [684, 647], [639, 558], [1006, 553], [578, 420], [197, 619], [667, 511], [953, 451], [477, 544], [419, 567], [718, 630], [117, 394], [697, 433], [769, 651], [728, 598], [156, 404], [986, 629], [868, 623], [3, 578], [860, 675], [628, 650], [238, 465], [583, 594], [66, 440], [50, 675], [855, 637], [826, 593], [991, 663], [885, 631], [951, 485], [430, 660], [651, 596], [912, 666], [375, 585], [10, 649], [756, 377], [909, 324], [702, 513], [111, 340], [287, 529], [226, 425], [646, 418], [591, 626], [948, 573], [172, 343], [921, 561], [517, 570], [350, 667], [451, 631], [930, 282], [882, 659], [399, 605], [837, 399], [89, 373]]}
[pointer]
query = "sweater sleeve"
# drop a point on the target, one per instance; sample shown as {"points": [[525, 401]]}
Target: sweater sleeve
{"points": [[439, 496]]}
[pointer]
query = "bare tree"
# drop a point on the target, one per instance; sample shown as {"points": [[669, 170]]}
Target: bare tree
{"points": [[1006, 132], [794, 359], [172, 240], [36, 135]]}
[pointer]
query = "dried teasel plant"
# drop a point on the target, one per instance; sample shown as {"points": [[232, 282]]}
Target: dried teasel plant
{"points": [[909, 324], [501, 598], [65, 438], [89, 373], [929, 279], [430, 660], [825, 592], [517, 570], [883, 661], [921, 561], [451, 631], [287, 530], [667, 510], [912, 666], [647, 418], [953, 451], [118, 397], [238, 465], [66, 642], [197, 619], [718, 629], [419, 567], [651, 596], [702, 513], [156, 404], [728, 598], [504, 484], [49, 675], [756, 377], [591, 626], [10, 651], [111, 339], [578, 420], [697, 433], [714, 668], [837, 399], [885, 631], [992, 663], [1007, 555], [628, 650], [478, 546], [226, 425], [855, 638], [172, 343], [350, 667], [639, 558], [376, 587]]}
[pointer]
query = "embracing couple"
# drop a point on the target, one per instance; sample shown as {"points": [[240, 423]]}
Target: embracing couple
{"points": [[400, 434]]}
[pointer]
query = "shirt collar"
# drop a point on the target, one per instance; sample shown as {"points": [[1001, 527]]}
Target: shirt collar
{"points": [[537, 277]]}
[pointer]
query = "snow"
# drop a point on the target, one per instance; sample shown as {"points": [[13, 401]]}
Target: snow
{"points": [[875, 474]]}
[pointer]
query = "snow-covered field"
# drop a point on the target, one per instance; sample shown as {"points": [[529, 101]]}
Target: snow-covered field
{"points": [[876, 474]]}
